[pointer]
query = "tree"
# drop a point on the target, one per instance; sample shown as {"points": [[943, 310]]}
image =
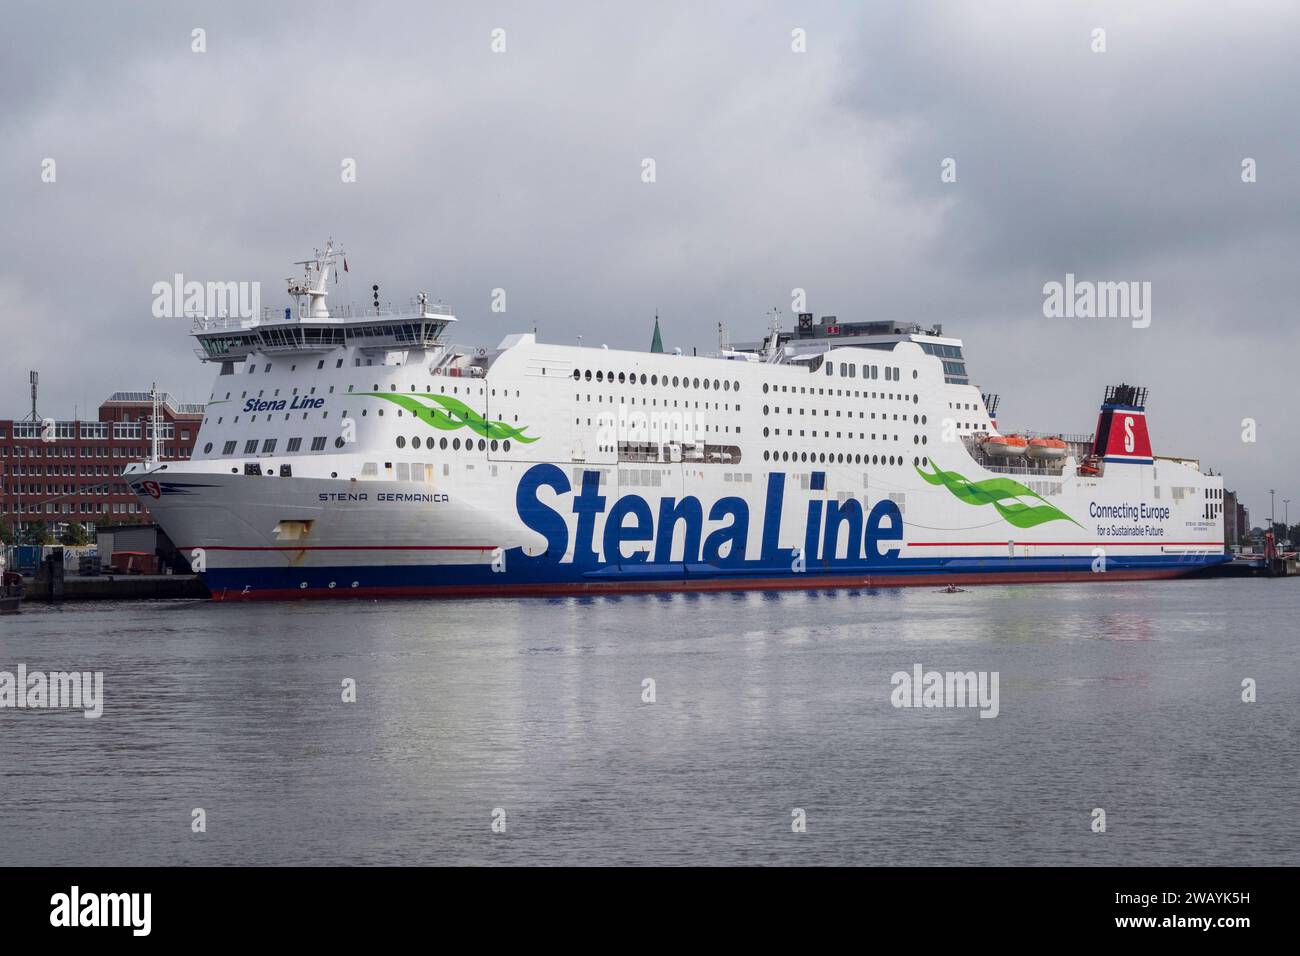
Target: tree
{"points": [[6, 533], [34, 533], [75, 535]]}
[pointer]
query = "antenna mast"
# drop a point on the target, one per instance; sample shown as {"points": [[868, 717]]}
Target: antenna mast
{"points": [[154, 456]]}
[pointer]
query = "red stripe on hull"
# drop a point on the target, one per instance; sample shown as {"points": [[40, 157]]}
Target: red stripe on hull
{"points": [[651, 587]]}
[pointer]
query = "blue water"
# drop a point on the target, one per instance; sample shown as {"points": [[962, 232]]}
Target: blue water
{"points": [[1123, 696]]}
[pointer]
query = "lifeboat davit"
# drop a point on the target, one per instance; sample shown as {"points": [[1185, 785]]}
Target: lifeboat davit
{"points": [[1004, 446], [1046, 449]]}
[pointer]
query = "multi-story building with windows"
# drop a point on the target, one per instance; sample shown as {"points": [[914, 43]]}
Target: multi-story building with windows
{"points": [[57, 472]]}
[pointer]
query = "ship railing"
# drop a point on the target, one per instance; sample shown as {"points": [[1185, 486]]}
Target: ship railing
{"points": [[228, 323]]}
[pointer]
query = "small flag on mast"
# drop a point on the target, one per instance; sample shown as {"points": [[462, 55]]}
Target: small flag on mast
{"points": [[345, 263]]}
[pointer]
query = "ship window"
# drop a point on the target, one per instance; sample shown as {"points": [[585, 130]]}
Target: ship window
{"points": [[587, 375], [318, 443], [443, 444], [482, 445], [250, 446], [415, 442], [268, 446], [294, 444], [228, 448], [207, 448], [505, 445], [576, 374], [401, 441], [455, 444], [338, 442]]}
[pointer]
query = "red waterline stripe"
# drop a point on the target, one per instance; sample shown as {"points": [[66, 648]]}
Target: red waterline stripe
{"points": [[349, 547]]}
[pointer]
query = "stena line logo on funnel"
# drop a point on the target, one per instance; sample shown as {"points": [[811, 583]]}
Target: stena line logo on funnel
{"points": [[723, 533]]}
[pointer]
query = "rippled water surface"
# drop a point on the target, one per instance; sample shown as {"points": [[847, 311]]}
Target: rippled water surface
{"points": [[1123, 696]]}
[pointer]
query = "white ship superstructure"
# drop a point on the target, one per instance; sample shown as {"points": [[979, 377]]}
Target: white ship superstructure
{"points": [[361, 452]]}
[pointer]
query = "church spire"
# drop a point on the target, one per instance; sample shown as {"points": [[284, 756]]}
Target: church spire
{"points": [[657, 343]]}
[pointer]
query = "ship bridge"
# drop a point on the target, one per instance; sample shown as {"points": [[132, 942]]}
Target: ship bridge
{"points": [[310, 327]]}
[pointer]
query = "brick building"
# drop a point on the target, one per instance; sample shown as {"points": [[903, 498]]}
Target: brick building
{"points": [[57, 472]]}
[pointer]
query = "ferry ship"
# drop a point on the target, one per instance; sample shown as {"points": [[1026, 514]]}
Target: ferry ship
{"points": [[361, 453]]}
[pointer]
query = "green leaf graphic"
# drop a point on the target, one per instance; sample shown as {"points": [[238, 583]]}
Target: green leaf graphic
{"points": [[454, 414], [995, 491]]}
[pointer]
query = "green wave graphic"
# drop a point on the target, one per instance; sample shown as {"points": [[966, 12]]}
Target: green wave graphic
{"points": [[454, 414], [995, 491]]}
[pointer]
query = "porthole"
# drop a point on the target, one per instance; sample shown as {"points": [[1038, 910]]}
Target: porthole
{"points": [[455, 444], [401, 441], [706, 384], [338, 442], [695, 383], [643, 378], [576, 375], [621, 378], [765, 388], [494, 444], [765, 430], [505, 445], [654, 379], [207, 448], [587, 375], [735, 386], [482, 444], [913, 373], [600, 376], [443, 444], [765, 455], [925, 440], [415, 442]]}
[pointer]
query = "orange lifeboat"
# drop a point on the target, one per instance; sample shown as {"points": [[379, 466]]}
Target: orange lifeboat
{"points": [[1004, 446], [1046, 449]]}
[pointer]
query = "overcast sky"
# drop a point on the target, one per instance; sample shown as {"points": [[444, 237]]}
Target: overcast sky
{"points": [[775, 170]]}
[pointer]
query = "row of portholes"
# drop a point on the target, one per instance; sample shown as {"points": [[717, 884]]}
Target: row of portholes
{"points": [[626, 379], [840, 459], [916, 420], [916, 400], [454, 444], [333, 584]]}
